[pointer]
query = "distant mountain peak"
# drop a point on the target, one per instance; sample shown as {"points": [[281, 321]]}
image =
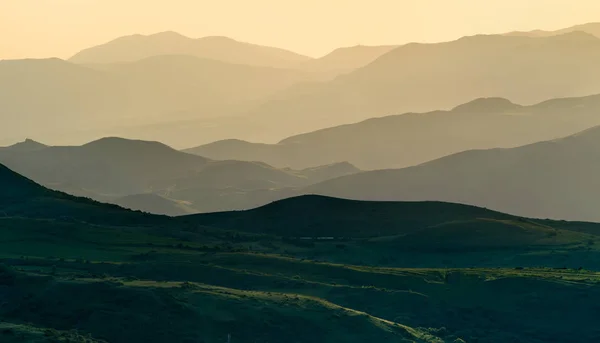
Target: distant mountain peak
{"points": [[169, 34], [120, 140], [218, 39], [27, 145], [137, 47], [488, 105]]}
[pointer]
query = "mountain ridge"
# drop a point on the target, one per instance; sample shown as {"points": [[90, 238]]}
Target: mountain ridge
{"points": [[550, 179], [412, 138], [216, 47]]}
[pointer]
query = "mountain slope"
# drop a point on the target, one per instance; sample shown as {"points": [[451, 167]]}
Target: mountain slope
{"points": [[344, 60], [37, 96], [591, 28], [192, 87], [153, 177], [211, 284], [414, 138], [52, 98], [425, 77], [23, 198], [552, 179], [137, 47], [154, 203], [109, 165]]}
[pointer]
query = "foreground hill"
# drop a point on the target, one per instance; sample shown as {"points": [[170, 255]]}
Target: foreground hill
{"points": [[138, 47], [162, 279], [23, 198], [153, 177], [552, 179], [413, 138]]}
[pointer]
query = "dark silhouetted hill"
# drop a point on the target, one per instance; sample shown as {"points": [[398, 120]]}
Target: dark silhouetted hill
{"points": [[23, 198], [69, 262], [414, 138], [154, 203], [138, 47], [329, 217]]}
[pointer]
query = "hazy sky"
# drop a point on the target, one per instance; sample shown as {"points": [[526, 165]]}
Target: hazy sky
{"points": [[43, 28]]}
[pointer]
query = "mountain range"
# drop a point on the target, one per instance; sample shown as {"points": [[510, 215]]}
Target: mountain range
{"points": [[147, 175], [427, 77], [549, 179], [138, 47], [413, 138], [417, 193], [591, 28], [53, 97], [552, 179], [188, 100]]}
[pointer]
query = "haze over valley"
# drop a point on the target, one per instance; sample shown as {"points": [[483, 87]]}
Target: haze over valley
{"points": [[264, 171]]}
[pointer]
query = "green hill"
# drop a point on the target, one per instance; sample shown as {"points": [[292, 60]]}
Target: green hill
{"points": [[113, 275], [318, 216]]}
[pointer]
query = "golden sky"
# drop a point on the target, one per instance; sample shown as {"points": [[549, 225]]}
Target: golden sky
{"points": [[60, 28]]}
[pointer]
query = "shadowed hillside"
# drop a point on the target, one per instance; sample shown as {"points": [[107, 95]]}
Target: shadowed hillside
{"points": [[23, 198], [552, 179], [153, 177], [163, 279], [154, 203], [137, 47], [413, 138]]}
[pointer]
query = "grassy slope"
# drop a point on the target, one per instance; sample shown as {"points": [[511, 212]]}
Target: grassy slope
{"points": [[175, 280]]}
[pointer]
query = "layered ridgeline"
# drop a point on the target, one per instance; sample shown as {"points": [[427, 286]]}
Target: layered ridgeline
{"points": [[344, 60], [52, 98], [185, 100], [413, 138], [551, 179], [591, 28], [153, 177], [162, 279], [426, 77], [138, 47]]}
